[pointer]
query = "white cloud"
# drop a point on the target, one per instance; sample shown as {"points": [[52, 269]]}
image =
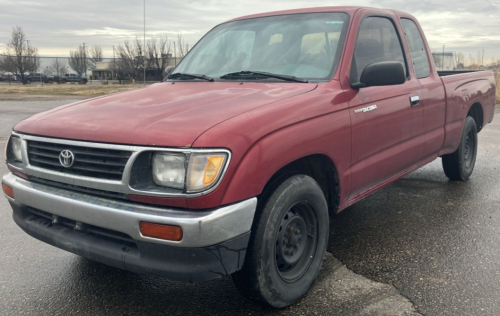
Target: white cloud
{"points": [[57, 26]]}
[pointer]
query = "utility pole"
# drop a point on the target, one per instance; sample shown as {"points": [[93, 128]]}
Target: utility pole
{"points": [[442, 66], [482, 59], [175, 57], [144, 47], [114, 65]]}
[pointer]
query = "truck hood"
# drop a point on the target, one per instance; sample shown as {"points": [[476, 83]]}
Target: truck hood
{"points": [[163, 114]]}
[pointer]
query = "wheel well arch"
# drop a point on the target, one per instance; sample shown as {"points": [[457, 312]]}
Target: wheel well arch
{"points": [[476, 112], [319, 167]]}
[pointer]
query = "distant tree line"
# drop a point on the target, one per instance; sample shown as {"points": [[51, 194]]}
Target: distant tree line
{"points": [[129, 59]]}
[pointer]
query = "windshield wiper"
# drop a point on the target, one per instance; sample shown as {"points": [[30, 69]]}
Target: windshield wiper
{"points": [[179, 75], [252, 74]]}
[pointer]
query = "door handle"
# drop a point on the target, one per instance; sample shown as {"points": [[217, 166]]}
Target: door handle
{"points": [[414, 100]]}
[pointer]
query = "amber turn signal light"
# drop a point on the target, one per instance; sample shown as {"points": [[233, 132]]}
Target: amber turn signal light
{"points": [[8, 190], [161, 231]]}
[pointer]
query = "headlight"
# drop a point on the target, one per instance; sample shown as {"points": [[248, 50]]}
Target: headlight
{"points": [[14, 149], [203, 170], [169, 170]]}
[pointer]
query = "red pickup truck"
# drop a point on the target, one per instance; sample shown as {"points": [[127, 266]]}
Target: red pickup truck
{"points": [[233, 165]]}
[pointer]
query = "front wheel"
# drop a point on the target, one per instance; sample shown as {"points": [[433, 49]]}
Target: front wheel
{"points": [[458, 166], [288, 243], [28, 81]]}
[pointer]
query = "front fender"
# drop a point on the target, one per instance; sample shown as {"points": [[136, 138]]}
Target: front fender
{"points": [[266, 139]]}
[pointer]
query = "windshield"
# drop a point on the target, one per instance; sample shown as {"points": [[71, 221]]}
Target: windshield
{"points": [[304, 46]]}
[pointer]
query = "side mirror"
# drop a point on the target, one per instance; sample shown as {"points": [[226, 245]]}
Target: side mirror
{"points": [[385, 73]]}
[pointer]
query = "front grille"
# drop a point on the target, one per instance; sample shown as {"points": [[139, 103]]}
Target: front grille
{"points": [[76, 188], [90, 162], [102, 233]]}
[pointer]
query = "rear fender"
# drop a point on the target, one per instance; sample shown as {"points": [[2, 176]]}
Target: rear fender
{"points": [[460, 98]]}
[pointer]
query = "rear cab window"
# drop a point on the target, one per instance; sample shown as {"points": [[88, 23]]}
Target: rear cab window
{"points": [[417, 48]]}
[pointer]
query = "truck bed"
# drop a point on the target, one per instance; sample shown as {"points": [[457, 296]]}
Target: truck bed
{"points": [[462, 89]]}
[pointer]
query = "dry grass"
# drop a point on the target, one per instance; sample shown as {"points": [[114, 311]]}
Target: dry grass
{"points": [[66, 89]]}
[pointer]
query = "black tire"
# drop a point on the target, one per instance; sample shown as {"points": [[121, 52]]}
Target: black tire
{"points": [[28, 81], [282, 262], [64, 81], [50, 81], [458, 166]]}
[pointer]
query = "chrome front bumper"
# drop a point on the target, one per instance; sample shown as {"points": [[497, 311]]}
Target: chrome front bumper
{"points": [[200, 228]]}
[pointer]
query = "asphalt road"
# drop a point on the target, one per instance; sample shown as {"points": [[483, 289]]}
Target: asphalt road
{"points": [[421, 245]]}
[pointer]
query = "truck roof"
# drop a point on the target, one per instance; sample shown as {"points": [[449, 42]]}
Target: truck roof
{"points": [[348, 9]]}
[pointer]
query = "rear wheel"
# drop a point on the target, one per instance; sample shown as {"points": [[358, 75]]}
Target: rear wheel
{"points": [[288, 243], [458, 166], [28, 81]]}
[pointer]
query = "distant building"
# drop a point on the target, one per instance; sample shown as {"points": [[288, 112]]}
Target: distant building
{"points": [[103, 70], [444, 61]]}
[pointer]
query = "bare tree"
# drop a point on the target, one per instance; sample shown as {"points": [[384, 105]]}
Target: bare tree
{"points": [[46, 71], [57, 67], [78, 60], [21, 57], [116, 69], [183, 46], [159, 53], [459, 60], [474, 62], [130, 58], [6, 65], [95, 56]]}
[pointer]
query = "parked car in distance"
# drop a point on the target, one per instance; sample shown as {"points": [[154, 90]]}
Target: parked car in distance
{"points": [[271, 124], [38, 77], [74, 78], [8, 77]]}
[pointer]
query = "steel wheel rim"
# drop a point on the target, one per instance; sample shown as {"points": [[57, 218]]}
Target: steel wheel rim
{"points": [[469, 149], [296, 241]]}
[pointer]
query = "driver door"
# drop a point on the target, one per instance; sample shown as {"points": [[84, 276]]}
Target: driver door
{"points": [[383, 145]]}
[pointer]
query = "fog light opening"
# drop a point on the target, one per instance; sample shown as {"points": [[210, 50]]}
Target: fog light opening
{"points": [[161, 231]]}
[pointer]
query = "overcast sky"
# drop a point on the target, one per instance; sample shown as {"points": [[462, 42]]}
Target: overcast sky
{"points": [[56, 26]]}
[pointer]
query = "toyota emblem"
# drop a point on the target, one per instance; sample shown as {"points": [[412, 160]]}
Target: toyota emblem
{"points": [[66, 158]]}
